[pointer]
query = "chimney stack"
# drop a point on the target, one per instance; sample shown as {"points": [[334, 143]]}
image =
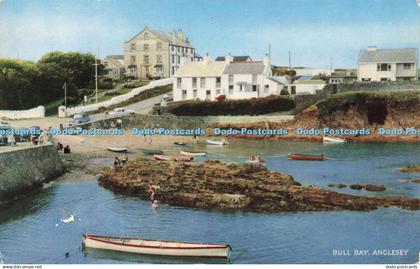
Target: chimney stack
{"points": [[228, 58], [372, 48], [267, 65], [173, 36], [206, 58], [180, 36]]}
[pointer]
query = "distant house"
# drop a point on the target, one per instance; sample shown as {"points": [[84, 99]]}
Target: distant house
{"points": [[114, 66], [312, 72], [153, 53], [387, 64], [244, 58], [342, 76], [205, 80], [306, 85]]}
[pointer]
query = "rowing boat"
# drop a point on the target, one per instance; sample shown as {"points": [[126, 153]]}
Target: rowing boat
{"points": [[118, 149], [172, 158], [157, 247], [305, 157], [151, 151], [329, 139], [193, 153], [180, 143], [214, 142]]}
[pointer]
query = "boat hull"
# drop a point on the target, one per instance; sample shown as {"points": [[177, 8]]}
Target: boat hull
{"points": [[117, 149], [189, 153], [304, 157], [153, 247], [327, 139], [218, 143], [172, 158]]}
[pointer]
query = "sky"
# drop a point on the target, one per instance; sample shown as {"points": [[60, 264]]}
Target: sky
{"points": [[313, 31]]}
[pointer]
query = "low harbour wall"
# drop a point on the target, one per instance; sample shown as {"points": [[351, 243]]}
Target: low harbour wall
{"points": [[33, 113], [413, 85], [182, 122], [22, 170]]}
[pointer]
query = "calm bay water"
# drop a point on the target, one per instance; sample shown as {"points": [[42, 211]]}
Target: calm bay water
{"points": [[31, 230]]}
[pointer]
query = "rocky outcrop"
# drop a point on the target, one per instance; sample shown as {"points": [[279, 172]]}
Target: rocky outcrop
{"points": [[412, 168], [221, 186]]}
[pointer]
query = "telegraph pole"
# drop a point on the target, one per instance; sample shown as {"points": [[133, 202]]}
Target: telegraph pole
{"points": [[96, 80], [290, 64]]}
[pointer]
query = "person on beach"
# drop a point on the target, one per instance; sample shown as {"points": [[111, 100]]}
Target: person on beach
{"points": [[117, 161], [11, 140], [67, 149], [119, 123], [124, 160], [152, 190], [60, 146], [34, 139], [155, 204], [195, 137]]}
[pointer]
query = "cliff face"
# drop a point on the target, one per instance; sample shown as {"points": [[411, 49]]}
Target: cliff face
{"points": [[221, 186], [22, 170]]}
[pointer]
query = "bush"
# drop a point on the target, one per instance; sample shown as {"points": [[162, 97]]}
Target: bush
{"points": [[284, 92], [253, 106]]}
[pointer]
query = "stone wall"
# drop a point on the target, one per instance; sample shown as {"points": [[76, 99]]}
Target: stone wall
{"points": [[380, 86], [24, 169], [182, 122], [33, 113]]}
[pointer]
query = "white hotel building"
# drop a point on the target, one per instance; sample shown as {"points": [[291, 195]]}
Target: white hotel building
{"points": [[205, 80]]}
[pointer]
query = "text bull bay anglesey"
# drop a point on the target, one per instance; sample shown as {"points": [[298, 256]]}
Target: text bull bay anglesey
{"points": [[366, 252]]}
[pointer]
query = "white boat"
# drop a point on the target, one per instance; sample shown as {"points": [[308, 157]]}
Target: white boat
{"points": [[157, 247], [329, 139], [118, 149], [193, 153], [214, 142]]}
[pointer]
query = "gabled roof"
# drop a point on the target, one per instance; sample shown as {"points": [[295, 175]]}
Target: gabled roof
{"points": [[161, 35], [117, 57], [201, 69], [244, 68], [242, 58], [387, 55]]}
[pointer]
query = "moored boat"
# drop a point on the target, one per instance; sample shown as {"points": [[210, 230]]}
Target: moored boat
{"points": [[172, 158], [157, 247], [177, 143], [193, 153], [214, 142], [305, 157], [151, 151], [329, 139], [118, 149]]}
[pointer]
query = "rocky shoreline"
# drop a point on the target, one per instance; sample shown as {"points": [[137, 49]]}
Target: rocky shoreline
{"points": [[214, 185]]}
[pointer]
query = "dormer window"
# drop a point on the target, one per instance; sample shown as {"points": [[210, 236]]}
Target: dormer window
{"points": [[146, 36]]}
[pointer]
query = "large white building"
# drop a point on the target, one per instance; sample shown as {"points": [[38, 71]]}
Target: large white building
{"points": [[205, 80], [387, 64]]}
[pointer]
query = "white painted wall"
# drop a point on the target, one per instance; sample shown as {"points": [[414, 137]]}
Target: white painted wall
{"points": [[37, 112], [118, 99]]}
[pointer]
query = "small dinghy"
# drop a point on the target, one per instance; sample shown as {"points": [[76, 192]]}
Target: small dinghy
{"points": [[118, 149], [214, 142], [193, 153], [256, 160], [329, 139], [157, 247], [151, 151], [180, 143], [172, 158], [305, 157]]}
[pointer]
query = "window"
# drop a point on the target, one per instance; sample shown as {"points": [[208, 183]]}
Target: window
{"points": [[194, 93], [179, 49], [178, 82], [254, 88], [230, 79], [202, 83], [159, 45], [407, 66], [384, 79], [194, 83], [172, 48], [146, 36], [179, 60], [208, 94], [146, 47], [132, 47], [383, 67], [132, 59], [293, 90], [184, 94], [266, 88], [218, 82], [218, 92], [146, 59], [173, 70], [158, 58], [173, 58], [230, 89]]}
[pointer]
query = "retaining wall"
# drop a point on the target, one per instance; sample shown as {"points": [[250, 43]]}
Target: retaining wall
{"points": [[22, 170], [33, 113]]}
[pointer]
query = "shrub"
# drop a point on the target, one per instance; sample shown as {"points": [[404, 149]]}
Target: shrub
{"points": [[253, 106]]}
